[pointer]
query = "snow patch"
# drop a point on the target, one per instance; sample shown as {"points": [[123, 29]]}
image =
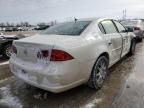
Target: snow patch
{"points": [[4, 63], [8, 99], [93, 103], [40, 96], [90, 105]]}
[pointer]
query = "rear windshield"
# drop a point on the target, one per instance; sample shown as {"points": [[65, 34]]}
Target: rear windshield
{"points": [[68, 28], [129, 23]]}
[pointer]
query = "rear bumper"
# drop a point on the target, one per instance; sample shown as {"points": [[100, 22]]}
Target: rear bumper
{"points": [[54, 77]]}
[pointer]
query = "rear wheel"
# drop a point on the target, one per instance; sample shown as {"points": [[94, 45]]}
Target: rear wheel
{"points": [[7, 51], [99, 73]]}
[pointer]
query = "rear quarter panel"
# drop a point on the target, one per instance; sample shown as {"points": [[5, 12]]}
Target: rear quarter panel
{"points": [[86, 51]]}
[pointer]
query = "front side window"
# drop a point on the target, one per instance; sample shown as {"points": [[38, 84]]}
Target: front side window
{"points": [[109, 27], [119, 26], [68, 28]]}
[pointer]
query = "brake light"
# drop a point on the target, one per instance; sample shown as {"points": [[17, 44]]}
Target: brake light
{"points": [[14, 49], [136, 28], [59, 55], [56, 55]]}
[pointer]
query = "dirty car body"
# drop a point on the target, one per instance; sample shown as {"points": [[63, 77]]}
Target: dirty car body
{"points": [[64, 55]]}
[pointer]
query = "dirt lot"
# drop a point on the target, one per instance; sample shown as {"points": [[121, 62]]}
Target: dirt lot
{"points": [[123, 89]]}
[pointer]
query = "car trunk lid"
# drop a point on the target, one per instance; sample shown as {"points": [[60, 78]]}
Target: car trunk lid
{"points": [[27, 51], [29, 48]]}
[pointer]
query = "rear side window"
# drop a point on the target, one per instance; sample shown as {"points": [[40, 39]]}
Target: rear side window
{"points": [[101, 28], [119, 26], [68, 28], [109, 27]]}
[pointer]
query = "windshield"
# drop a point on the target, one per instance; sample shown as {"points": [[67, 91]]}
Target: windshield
{"points": [[129, 23], [68, 28]]}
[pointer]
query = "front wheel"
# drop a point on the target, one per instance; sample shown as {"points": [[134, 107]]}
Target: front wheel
{"points": [[99, 73], [132, 47], [140, 40]]}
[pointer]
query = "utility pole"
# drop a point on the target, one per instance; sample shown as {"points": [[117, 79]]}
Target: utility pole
{"points": [[124, 14]]}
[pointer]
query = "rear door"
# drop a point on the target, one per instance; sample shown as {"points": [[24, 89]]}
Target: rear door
{"points": [[126, 38], [113, 39]]}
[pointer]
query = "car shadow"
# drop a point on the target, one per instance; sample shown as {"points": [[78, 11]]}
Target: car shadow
{"points": [[2, 59]]}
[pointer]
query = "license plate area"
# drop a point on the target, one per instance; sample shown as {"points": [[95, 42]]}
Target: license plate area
{"points": [[27, 54]]}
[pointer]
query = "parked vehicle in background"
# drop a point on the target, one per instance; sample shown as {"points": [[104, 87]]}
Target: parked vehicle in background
{"points": [[71, 53], [0, 29], [9, 29], [15, 29], [137, 26], [6, 44], [42, 27]]}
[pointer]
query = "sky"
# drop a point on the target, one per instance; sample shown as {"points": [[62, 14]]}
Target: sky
{"points": [[35, 11]]}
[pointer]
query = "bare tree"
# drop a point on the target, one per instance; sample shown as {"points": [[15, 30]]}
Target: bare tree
{"points": [[12, 24], [26, 24], [7, 24], [2, 24]]}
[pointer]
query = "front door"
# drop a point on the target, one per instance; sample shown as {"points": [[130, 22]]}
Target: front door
{"points": [[126, 38]]}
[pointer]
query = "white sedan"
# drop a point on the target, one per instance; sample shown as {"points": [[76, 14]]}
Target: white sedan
{"points": [[70, 54]]}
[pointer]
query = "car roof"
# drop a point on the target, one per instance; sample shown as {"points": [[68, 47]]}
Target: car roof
{"points": [[93, 19], [88, 19], [131, 20]]}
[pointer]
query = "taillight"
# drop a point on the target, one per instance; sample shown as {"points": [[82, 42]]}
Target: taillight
{"points": [[56, 55], [14, 49], [59, 55], [136, 28]]}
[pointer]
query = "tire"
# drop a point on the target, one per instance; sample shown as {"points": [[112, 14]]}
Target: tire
{"points": [[141, 39], [7, 51], [132, 47], [99, 73]]}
